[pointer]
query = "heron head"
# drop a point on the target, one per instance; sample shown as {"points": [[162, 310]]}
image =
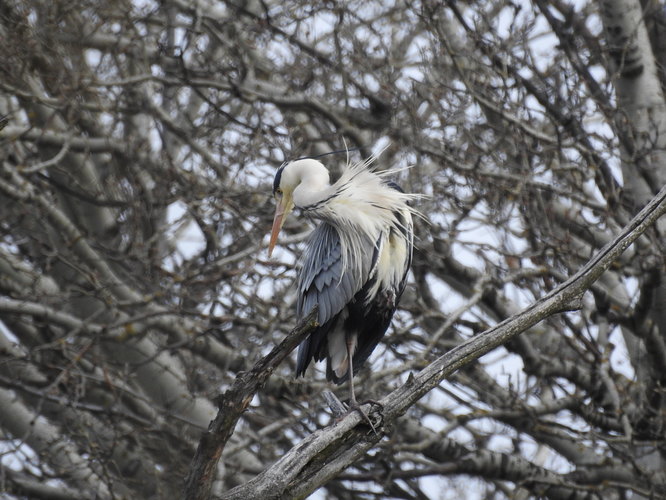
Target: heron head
{"points": [[302, 180]]}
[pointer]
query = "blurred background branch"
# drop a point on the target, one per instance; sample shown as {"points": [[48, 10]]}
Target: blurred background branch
{"points": [[139, 144]]}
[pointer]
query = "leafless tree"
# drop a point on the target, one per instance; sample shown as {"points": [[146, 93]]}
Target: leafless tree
{"points": [[139, 142]]}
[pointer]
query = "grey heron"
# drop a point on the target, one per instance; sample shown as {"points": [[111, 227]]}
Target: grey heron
{"points": [[355, 263]]}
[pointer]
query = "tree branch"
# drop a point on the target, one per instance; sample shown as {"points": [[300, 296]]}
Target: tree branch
{"points": [[328, 451], [231, 406]]}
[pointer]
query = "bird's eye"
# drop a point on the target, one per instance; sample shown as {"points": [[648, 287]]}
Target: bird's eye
{"points": [[278, 192]]}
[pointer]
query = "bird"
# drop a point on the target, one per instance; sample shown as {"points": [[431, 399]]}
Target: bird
{"points": [[355, 263]]}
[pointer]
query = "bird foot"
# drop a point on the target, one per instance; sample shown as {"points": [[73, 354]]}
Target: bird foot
{"points": [[355, 406], [341, 410], [373, 402]]}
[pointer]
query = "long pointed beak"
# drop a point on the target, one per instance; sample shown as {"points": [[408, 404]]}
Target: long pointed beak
{"points": [[283, 208]]}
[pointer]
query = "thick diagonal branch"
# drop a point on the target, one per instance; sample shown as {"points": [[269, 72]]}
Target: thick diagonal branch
{"points": [[323, 455], [231, 406]]}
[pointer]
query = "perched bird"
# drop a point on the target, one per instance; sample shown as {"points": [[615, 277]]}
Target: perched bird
{"points": [[355, 263]]}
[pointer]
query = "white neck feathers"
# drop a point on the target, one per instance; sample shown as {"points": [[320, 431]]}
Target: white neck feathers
{"points": [[360, 205], [309, 181]]}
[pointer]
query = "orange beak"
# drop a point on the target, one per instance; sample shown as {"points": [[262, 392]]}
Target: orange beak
{"points": [[284, 206]]}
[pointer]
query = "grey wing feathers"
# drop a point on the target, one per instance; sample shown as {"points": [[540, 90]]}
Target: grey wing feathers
{"points": [[321, 279]]}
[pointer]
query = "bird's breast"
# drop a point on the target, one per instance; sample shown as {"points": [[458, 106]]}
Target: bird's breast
{"points": [[391, 264]]}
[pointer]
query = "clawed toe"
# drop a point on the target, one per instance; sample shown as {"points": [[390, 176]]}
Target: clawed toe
{"points": [[341, 410], [373, 402], [358, 407]]}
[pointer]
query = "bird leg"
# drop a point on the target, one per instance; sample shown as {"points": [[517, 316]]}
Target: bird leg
{"points": [[350, 367], [353, 404]]}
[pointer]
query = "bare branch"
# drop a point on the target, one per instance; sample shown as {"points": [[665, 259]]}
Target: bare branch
{"points": [[231, 405]]}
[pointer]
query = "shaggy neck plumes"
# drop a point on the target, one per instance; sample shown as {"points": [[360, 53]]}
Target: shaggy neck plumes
{"points": [[355, 205]]}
